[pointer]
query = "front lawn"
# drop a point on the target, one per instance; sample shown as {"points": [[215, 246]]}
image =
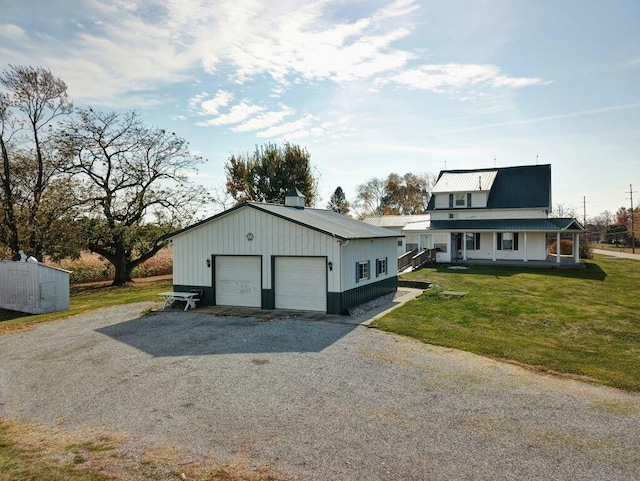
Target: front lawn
{"points": [[582, 323]]}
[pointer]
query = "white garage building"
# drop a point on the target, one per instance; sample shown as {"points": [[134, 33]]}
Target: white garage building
{"points": [[285, 257]]}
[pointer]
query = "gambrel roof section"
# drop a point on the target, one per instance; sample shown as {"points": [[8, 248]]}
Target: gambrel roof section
{"points": [[325, 221], [520, 187]]}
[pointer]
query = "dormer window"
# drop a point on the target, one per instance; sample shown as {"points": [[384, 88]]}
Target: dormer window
{"points": [[461, 200]]}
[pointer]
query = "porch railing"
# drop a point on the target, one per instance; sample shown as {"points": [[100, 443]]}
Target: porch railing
{"points": [[427, 256], [405, 259]]}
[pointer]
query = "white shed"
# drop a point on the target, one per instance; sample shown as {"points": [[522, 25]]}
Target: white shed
{"points": [[33, 287], [285, 257]]}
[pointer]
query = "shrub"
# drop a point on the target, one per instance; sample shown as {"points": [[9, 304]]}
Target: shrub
{"points": [[566, 247]]}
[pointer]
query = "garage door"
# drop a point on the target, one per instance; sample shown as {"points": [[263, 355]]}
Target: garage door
{"points": [[301, 283], [238, 281]]}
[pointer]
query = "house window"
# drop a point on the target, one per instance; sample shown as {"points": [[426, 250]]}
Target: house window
{"points": [[440, 242], [399, 242], [461, 200], [472, 241], [362, 271], [508, 241], [381, 267]]}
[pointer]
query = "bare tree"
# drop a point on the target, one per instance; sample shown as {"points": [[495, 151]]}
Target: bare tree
{"points": [[562, 210], [136, 185], [369, 197], [34, 197]]}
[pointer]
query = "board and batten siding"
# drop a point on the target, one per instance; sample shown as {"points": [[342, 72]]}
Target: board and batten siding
{"points": [[271, 236], [362, 250]]}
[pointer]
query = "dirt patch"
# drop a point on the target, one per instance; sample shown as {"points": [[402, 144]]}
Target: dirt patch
{"points": [[108, 454]]}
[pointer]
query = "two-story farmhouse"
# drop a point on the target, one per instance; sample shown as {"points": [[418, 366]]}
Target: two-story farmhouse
{"points": [[499, 214]]}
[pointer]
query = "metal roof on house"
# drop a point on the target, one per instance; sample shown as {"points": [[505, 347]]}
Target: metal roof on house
{"points": [[326, 221], [416, 226], [394, 220], [508, 225], [518, 187], [465, 181]]}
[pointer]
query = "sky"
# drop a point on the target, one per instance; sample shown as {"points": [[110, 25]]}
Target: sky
{"points": [[368, 87]]}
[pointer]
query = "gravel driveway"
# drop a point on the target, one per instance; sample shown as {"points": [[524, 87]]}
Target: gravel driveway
{"points": [[319, 400]]}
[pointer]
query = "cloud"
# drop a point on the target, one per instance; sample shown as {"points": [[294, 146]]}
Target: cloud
{"points": [[236, 114], [265, 120], [212, 106], [547, 118], [454, 77]]}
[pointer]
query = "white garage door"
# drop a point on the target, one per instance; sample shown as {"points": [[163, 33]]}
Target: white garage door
{"points": [[301, 283], [238, 281]]}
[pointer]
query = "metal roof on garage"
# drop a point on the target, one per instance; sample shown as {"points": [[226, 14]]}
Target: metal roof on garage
{"points": [[508, 225], [326, 221]]}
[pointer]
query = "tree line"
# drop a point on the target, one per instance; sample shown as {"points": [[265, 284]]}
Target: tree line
{"points": [[81, 179]]}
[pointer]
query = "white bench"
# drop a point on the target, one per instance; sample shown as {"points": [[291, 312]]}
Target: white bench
{"points": [[188, 297]]}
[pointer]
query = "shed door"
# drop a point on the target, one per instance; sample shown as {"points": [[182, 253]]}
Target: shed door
{"points": [[301, 283], [238, 281]]}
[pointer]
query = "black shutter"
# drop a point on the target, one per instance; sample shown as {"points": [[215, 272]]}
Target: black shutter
{"points": [[468, 200], [499, 246], [450, 201], [478, 240], [515, 241], [377, 267], [368, 269], [357, 272]]}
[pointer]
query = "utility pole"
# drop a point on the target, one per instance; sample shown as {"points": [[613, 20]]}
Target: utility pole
{"points": [[633, 231], [584, 211]]}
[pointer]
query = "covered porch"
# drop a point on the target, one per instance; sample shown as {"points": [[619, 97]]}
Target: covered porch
{"points": [[506, 242]]}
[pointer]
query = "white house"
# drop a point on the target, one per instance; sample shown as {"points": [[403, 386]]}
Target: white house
{"points": [[499, 214], [397, 223], [284, 257]]}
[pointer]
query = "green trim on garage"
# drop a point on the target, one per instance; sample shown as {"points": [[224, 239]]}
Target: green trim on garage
{"points": [[341, 302], [268, 298], [208, 296]]}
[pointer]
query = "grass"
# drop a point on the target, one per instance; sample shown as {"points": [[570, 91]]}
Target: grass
{"points": [[581, 323], [37, 453]]}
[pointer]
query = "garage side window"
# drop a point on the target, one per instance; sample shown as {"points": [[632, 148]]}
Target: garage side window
{"points": [[381, 267], [362, 271]]}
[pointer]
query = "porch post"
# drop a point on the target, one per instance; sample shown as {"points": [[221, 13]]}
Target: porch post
{"points": [[495, 242], [576, 248], [464, 246], [525, 247], [558, 248]]}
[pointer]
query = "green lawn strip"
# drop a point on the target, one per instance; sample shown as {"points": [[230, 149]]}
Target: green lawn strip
{"points": [[87, 300], [578, 322]]}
